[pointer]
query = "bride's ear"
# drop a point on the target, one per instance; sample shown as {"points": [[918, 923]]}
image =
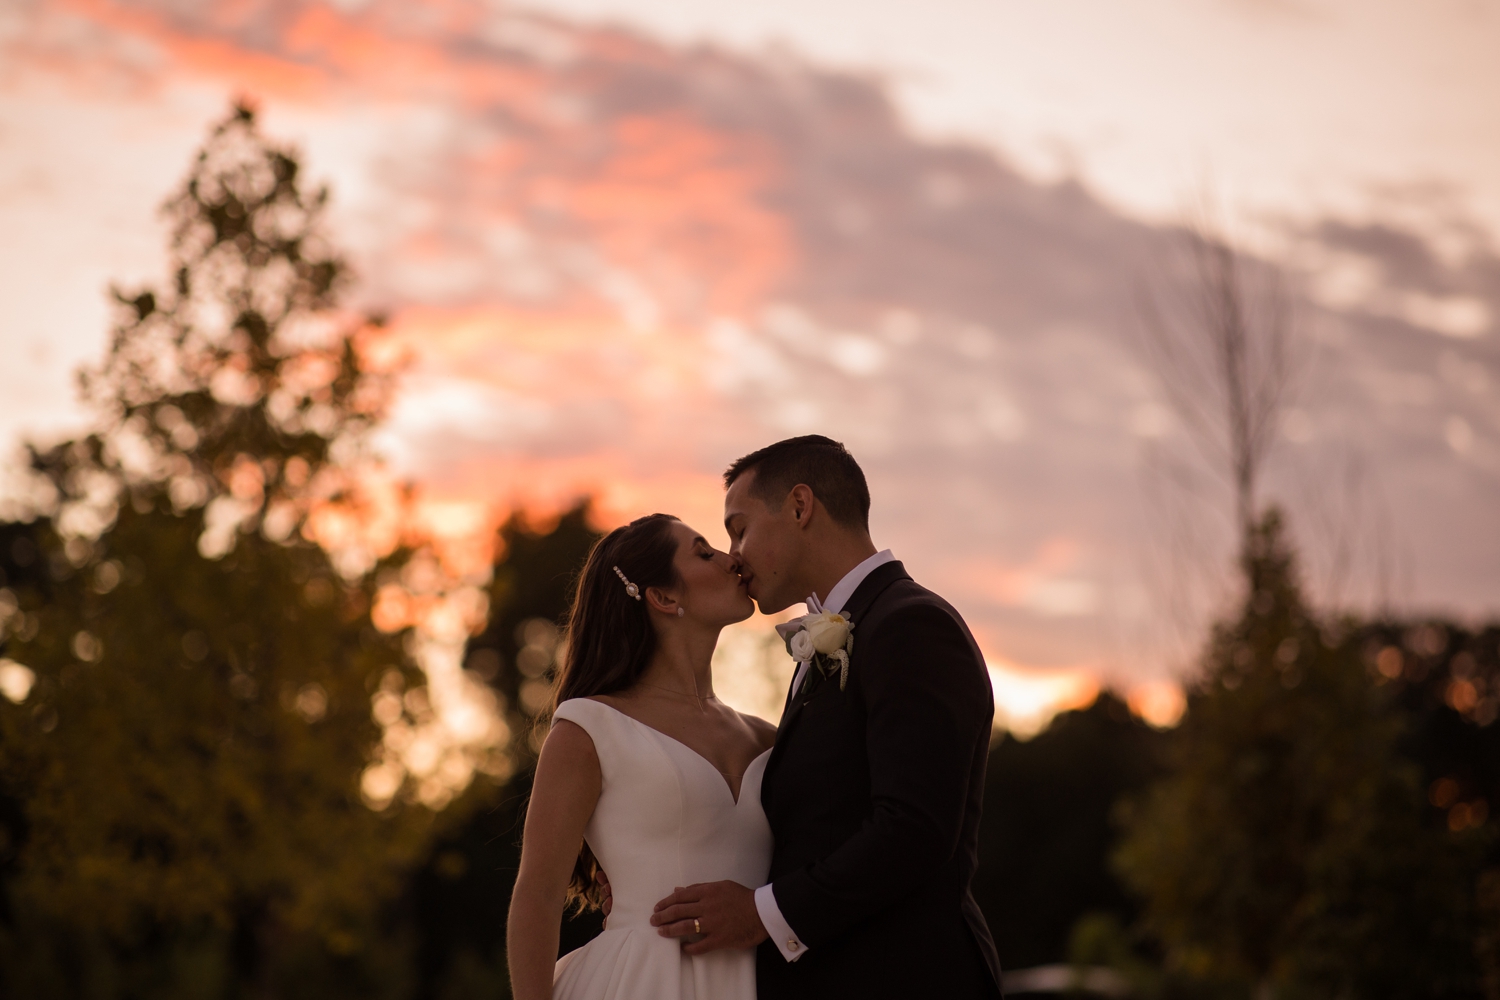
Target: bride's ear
{"points": [[658, 600]]}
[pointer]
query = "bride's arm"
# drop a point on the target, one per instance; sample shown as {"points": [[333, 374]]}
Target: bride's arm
{"points": [[563, 797]]}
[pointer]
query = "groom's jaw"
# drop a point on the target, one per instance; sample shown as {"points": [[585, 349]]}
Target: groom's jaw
{"points": [[769, 603]]}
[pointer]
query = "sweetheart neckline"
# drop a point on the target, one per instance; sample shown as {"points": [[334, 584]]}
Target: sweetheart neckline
{"points": [[735, 798]]}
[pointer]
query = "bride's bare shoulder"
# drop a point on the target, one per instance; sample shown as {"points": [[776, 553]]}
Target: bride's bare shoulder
{"points": [[567, 739], [764, 731]]}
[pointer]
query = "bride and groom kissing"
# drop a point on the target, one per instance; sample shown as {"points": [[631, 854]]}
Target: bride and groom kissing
{"points": [[828, 856]]}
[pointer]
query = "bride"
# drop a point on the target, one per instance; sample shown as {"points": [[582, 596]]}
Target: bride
{"points": [[644, 773]]}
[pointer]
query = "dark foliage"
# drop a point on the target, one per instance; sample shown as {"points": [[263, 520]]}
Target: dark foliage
{"points": [[530, 595], [1290, 852], [1446, 680], [458, 900], [180, 787], [1047, 831]]}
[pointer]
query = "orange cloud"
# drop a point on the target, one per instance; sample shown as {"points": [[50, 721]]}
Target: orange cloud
{"points": [[1047, 583], [676, 210], [544, 487], [320, 53], [221, 58], [555, 357], [682, 201], [542, 368]]}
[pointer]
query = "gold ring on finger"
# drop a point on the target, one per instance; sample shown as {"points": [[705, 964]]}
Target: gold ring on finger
{"points": [[697, 927]]}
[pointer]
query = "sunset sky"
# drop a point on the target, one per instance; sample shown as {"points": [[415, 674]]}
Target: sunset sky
{"points": [[629, 240]]}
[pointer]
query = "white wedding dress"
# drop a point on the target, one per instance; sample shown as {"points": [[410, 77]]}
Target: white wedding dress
{"points": [[666, 818]]}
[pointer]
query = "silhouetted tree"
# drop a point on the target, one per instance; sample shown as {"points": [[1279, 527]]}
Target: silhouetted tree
{"points": [[241, 387], [530, 594], [460, 897], [185, 768], [1227, 357], [1286, 854], [1219, 329], [1048, 833], [1446, 679]]}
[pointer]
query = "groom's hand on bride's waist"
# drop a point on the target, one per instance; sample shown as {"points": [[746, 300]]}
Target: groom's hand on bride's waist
{"points": [[711, 915]]}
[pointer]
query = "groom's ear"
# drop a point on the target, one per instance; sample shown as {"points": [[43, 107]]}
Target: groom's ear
{"points": [[800, 503]]}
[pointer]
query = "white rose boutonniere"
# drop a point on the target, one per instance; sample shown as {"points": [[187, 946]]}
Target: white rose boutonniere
{"points": [[829, 631], [801, 646], [824, 638]]}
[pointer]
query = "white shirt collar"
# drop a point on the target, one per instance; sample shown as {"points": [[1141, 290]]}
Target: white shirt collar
{"points": [[845, 588]]}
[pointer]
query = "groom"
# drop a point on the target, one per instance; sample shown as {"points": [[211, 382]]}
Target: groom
{"points": [[873, 788]]}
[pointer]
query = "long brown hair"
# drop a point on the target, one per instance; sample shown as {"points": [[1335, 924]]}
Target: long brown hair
{"points": [[610, 638]]}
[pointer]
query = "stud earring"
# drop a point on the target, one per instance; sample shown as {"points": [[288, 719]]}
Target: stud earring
{"points": [[681, 611]]}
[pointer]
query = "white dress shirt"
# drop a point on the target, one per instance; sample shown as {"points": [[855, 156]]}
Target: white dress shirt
{"points": [[787, 942]]}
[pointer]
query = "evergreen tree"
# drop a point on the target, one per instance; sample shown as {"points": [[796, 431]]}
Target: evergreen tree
{"points": [[1286, 854]]}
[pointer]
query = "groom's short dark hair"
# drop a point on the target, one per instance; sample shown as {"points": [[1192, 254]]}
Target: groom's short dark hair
{"points": [[822, 464]]}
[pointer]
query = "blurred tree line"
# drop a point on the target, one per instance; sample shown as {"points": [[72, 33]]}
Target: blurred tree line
{"points": [[1320, 826], [187, 677], [188, 674]]}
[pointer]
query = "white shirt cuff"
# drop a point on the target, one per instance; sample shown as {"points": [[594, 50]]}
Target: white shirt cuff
{"points": [[782, 935]]}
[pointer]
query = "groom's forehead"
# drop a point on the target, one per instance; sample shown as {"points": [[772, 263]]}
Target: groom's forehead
{"points": [[737, 498]]}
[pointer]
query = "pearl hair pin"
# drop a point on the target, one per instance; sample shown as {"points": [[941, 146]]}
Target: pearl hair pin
{"points": [[630, 588]]}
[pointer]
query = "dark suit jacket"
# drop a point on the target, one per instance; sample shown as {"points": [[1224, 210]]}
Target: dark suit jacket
{"points": [[873, 794]]}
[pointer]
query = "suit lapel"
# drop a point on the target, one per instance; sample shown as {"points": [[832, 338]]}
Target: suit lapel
{"points": [[791, 690], [869, 589], [859, 603]]}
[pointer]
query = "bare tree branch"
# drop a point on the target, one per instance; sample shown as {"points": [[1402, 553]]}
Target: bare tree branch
{"points": [[1227, 356]]}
